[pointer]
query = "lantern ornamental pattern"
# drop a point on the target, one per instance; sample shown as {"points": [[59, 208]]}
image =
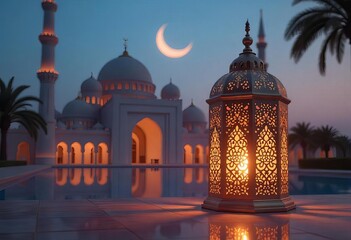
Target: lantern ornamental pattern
{"points": [[248, 111]]}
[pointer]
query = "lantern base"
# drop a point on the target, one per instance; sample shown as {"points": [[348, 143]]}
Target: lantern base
{"points": [[249, 206]]}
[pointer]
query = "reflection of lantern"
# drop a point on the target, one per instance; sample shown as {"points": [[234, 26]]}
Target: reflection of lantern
{"points": [[248, 139]]}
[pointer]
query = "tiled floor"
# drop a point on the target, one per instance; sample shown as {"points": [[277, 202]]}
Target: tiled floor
{"points": [[316, 217]]}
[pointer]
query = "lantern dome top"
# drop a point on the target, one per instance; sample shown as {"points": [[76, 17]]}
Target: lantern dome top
{"points": [[247, 75]]}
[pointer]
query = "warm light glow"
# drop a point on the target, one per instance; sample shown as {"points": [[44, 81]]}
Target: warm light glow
{"points": [[166, 50], [23, 152], [153, 146], [46, 70]]}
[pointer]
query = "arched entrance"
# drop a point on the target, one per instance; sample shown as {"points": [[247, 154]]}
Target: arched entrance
{"points": [[62, 153], [147, 142], [89, 153], [102, 155], [23, 152], [76, 153]]}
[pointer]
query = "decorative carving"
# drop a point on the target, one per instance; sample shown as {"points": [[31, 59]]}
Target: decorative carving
{"points": [[217, 87], [237, 232], [215, 232], [266, 163], [267, 232], [237, 172], [265, 114], [215, 163], [238, 81], [284, 149], [237, 122], [215, 116], [237, 114], [263, 81]]}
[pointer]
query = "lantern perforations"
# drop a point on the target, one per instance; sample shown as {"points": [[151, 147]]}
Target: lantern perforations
{"points": [[215, 119], [266, 163], [265, 114], [237, 114], [237, 232], [215, 163], [284, 149], [215, 232], [237, 82], [237, 173], [263, 81], [267, 233]]}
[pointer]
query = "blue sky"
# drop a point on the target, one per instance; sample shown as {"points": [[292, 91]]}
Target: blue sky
{"points": [[91, 33]]}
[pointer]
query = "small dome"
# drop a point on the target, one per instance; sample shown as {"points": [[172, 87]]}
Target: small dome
{"points": [[247, 75], [193, 114], [91, 87], [78, 109], [98, 126], [170, 92]]}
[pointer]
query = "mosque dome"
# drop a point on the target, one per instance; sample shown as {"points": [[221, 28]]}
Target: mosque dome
{"points": [[170, 92], [247, 75], [91, 88], [193, 114], [78, 109], [126, 76]]}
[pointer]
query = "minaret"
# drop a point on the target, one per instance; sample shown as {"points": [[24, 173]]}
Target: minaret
{"points": [[261, 44], [45, 146]]}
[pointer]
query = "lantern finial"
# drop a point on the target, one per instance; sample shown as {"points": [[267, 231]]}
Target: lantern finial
{"points": [[247, 40]]}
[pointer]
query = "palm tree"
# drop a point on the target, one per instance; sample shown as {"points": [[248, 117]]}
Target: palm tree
{"points": [[325, 138], [13, 109], [301, 134], [331, 18], [344, 144]]}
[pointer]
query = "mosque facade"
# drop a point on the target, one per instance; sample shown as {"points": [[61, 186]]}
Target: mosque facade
{"points": [[116, 120]]}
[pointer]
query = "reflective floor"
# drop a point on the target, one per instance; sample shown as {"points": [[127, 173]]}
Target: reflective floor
{"points": [[316, 217]]}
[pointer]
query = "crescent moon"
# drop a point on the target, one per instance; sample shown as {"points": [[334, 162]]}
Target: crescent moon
{"points": [[168, 51]]}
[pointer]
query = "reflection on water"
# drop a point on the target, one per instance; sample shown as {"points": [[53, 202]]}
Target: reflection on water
{"points": [[150, 182], [250, 230]]}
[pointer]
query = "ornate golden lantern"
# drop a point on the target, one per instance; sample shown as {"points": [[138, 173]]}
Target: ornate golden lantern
{"points": [[248, 111]]}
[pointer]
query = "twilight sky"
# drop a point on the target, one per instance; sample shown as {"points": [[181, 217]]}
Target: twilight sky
{"points": [[91, 33]]}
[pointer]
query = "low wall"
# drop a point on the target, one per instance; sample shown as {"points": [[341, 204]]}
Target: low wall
{"points": [[326, 163]]}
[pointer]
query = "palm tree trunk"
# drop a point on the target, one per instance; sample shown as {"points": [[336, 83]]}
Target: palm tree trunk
{"points": [[3, 149], [326, 151], [304, 153]]}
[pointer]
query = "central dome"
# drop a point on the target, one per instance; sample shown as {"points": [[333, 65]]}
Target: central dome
{"points": [[126, 76]]}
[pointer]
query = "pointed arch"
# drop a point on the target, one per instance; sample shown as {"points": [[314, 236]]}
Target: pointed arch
{"points": [[199, 154], [188, 154], [62, 153], [23, 152], [150, 138], [76, 153], [138, 145], [89, 153], [102, 155]]}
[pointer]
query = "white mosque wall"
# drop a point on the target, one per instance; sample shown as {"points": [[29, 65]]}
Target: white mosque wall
{"points": [[20, 146], [89, 146], [160, 120]]}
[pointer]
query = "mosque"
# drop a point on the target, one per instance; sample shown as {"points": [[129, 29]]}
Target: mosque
{"points": [[117, 119]]}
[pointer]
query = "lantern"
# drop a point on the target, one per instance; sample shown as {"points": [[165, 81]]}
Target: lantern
{"points": [[248, 121]]}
